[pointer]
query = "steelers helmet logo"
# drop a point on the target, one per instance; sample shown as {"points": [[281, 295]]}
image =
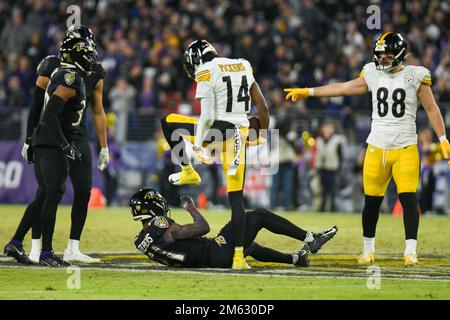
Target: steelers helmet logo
{"points": [[69, 78]]}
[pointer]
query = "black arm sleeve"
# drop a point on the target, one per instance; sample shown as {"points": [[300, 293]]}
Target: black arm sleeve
{"points": [[51, 121], [35, 110]]}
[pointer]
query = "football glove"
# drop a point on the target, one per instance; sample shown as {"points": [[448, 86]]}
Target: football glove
{"points": [[103, 159], [297, 93], [186, 202], [27, 151], [72, 154], [445, 146], [201, 156]]}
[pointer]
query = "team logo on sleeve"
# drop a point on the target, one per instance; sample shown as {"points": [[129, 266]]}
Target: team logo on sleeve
{"points": [[161, 222], [69, 78], [220, 240]]}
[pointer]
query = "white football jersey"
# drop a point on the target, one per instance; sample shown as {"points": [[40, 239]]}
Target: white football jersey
{"points": [[394, 103], [229, 82]]}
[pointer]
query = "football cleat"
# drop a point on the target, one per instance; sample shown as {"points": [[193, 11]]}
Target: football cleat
{"points": [[303, 260], [34, 255], [366, 258], [410, 260], [186, 176], [320, 239], [77, 256], [17, 253], [239, 262], [51, 260]]}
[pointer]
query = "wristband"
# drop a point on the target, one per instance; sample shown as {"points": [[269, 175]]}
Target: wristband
{"points": [[311, 92], [442, 138]]}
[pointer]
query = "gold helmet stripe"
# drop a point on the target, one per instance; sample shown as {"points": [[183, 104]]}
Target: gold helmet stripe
{"points": [[380, 42]]}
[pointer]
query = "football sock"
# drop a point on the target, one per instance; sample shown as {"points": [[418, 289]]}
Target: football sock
{"points": [[237, 217], [73, 245], [79, 213], [369, 245], [410, 214], [410, 246], [370, 214], [264, 254], [36, 244]]}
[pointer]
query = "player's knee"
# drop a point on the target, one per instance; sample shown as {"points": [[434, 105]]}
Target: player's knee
{"points": [[372, 203], [408, 200], [82, 195], [55, 192]]}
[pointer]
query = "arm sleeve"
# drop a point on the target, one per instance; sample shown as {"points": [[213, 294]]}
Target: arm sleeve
{"points": [[205, 121], [51, 121], [35, 110]]}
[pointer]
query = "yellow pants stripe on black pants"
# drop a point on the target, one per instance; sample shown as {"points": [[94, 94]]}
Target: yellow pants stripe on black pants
{"points": [[178, 127]]}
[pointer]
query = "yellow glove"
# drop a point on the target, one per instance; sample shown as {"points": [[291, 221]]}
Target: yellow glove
{"points": [[445, 146], [201, 156], [297, 93]]}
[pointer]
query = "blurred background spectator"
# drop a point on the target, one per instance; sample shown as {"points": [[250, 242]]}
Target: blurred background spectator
{"points": [[288, 42]]}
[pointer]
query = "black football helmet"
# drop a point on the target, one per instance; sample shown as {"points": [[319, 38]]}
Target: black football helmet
{"points": [[390, 42], [148, 203], [196, 54], [79, 32], [78, 54]]}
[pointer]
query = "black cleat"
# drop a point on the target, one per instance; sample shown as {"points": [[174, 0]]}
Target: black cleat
{"points": [[320, 239], [17, 253], [53, 261], [303, 260]]}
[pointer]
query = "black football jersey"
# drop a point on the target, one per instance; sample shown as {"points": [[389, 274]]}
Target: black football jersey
{"points": [[190, 253], [50, 63], [71, 116]]}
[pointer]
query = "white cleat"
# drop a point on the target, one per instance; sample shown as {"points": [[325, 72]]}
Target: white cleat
{"points": [[34, 256], [77, 256]]}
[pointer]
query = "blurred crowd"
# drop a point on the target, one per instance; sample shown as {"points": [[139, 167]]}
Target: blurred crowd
{"points": [[288, 42]]}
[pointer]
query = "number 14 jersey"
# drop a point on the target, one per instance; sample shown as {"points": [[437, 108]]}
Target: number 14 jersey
{"points": [[229, 82], [394, 103]]}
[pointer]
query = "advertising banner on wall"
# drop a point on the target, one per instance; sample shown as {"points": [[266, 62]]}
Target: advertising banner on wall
{"points": [[17, 180]]}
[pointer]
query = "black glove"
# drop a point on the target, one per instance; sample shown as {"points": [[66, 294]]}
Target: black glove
{"points": [[72, 154], [186, 201]]}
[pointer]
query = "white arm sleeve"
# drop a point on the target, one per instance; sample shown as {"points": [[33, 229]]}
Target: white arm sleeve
{"points": [[206, 119]]}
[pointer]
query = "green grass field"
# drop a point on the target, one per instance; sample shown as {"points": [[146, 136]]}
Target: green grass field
{"points": [[333, 274]]}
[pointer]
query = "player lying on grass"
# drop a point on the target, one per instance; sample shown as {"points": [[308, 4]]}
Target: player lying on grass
{"points": [[174, 245]]}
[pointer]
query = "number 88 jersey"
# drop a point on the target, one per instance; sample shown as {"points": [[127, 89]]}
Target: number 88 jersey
{"points": [[394, 103], [229, 82]]}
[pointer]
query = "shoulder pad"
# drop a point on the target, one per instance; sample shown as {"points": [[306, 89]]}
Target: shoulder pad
{"points": [[66, 78], [368, 67], [99, 70], [47, 66], [203, 73], [423, 75], [160, 222]]}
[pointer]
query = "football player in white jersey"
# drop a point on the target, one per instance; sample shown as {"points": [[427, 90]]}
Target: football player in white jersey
{"points": [[397, 90], [226, 89]]}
